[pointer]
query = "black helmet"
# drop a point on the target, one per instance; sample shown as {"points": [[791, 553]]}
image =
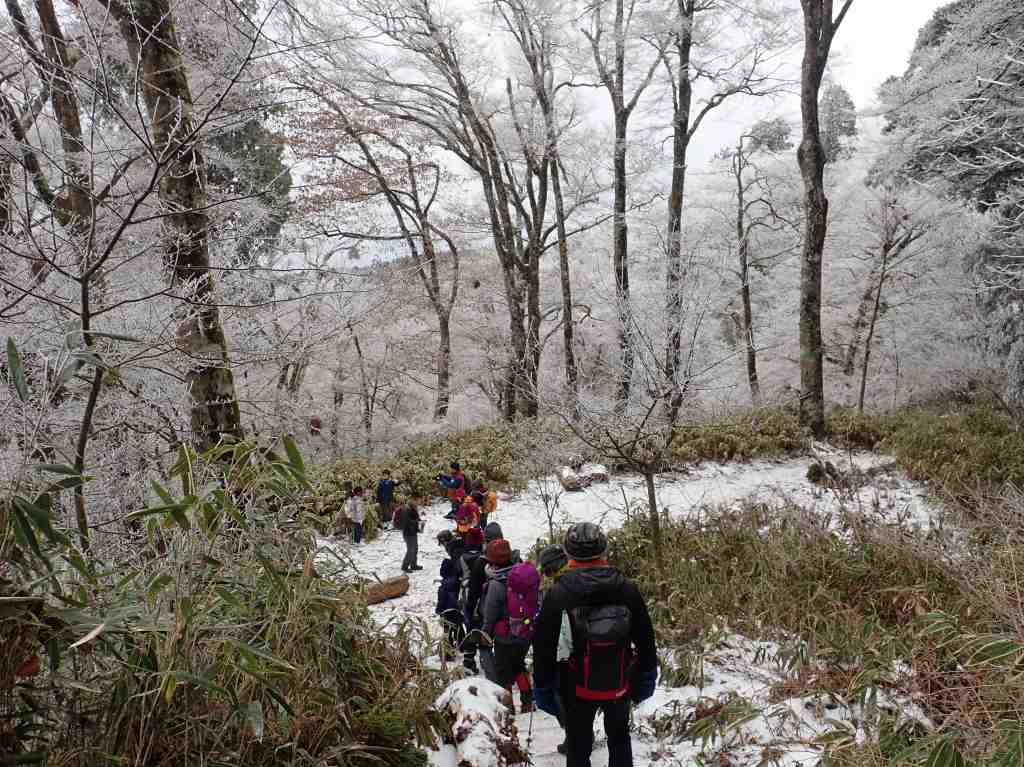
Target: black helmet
{"points": [[493, 532], [584, 541], [552, 558]]}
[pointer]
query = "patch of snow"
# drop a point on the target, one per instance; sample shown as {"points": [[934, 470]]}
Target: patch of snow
{"points": [[737, 668]]}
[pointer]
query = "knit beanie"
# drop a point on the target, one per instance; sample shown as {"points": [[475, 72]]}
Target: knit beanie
{"points": [[493, 531], [499, 552]]}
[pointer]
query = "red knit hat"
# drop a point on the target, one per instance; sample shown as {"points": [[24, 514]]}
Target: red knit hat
{"points": [[499, 552]]}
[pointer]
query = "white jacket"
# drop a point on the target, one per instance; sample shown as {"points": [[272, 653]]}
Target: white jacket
{"points": [[356, 508]]}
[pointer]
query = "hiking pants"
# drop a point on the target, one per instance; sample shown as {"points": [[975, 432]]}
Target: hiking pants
{"points": [[579, 729], [412, 546], [357, 532], [452, 622], [487, 664]]}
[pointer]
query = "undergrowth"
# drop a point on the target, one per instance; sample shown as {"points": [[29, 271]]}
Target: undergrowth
{"points": [[211, 640], [856, 605]]}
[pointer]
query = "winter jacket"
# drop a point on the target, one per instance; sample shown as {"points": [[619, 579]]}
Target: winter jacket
{"points": [[477, 580], [410, 522], [356, 509], [448, 591], [495, 606], [594, 586], [472, 511], [386, 491], [490, 502], [455, 484]]}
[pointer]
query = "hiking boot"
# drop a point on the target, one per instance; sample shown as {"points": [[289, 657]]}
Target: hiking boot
{"points": [[470, 665], [563, 747], [415, 567], [526, 701]]}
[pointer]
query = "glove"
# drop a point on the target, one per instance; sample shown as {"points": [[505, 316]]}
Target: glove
{"points": [[643, 685], [544, 698]]}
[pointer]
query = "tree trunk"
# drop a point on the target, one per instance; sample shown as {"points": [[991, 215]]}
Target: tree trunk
{"points": [[871, 331], [6, 201], [620, 265], [818, 31], [654, 519], [385, 590], [444, 361], [185, 225], [674, 275], [748, 324], [572, 373], [860, 320]]}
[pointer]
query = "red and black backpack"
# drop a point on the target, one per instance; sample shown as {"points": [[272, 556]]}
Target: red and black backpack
{"points": [[604, 655]]}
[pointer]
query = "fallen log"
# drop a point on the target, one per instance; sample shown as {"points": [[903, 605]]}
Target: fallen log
{"points": [[482, 724], [385, 590]]}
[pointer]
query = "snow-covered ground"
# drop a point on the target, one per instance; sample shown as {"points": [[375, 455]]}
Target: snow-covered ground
{"points": [[772, 731]]}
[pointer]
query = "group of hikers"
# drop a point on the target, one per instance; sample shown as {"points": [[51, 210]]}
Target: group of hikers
{"points": [[587, 624]]}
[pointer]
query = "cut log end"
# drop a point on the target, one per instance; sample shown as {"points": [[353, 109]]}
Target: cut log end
{"points": [[385, 590]]}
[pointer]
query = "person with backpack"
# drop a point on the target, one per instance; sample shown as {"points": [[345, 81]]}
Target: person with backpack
{"points": [[386, 497], [471, 550], [470, 512], [407, 519], [511, 603], [447, 608], [455, 487], [488, 505], [475, 580], [613, 660], [552, 563]]}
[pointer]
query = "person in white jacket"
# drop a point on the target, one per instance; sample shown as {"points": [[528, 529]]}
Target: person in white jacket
{"points": [[356, 508]]}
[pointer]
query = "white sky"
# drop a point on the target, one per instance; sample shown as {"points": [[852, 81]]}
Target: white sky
{"points": [[873, 43]]}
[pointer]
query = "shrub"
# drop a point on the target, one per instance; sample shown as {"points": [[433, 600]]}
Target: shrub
{"points": [[215, 641], [766, 433]]}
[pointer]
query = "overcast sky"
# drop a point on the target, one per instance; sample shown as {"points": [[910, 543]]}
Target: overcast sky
{"points": [[875, 41]]}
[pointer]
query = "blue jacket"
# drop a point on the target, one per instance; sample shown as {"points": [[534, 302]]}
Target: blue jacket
{"points": [[386, 491]]}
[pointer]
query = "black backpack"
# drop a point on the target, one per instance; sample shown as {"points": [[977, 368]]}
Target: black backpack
{"points": [[398, 519], [465, 564], [602, 663]]}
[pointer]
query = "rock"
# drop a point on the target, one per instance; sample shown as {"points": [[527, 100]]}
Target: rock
{"points": [[570, 479]]}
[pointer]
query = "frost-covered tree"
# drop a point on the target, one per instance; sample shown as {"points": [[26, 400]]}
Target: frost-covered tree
{"points": [[956, 117], [838, 123]]}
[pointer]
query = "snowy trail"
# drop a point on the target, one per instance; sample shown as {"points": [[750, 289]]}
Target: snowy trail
{"points": [[739, 669]]}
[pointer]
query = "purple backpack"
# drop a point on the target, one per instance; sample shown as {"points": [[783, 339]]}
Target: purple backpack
{"points": [[522, 593]]}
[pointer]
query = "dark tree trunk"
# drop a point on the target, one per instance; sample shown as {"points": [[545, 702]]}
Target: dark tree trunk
{"points": [[819, 31], [748, 323], [620, 265], [674, 274], [572, 373], [444, 359], [870, 337], [185, 226]]}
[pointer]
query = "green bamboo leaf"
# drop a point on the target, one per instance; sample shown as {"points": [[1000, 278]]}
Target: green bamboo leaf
{"points": [[15, 371], [945, 754], [58, 468], [252, 714], [160, 491], [39, 515], [157, 585], [26, 536], [294, 456]]}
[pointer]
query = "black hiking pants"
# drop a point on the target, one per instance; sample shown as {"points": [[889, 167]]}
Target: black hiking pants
{"points": [[579, 728]]}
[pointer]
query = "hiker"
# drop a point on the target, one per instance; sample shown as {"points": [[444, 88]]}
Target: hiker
{"points": [[552, 563], [356, 510], [455, 487], [511, 603], [472, 540], [470, 508], [475, 581], [613, 659], [386, 497], [448, 594], [489, 504], [408, 520]]}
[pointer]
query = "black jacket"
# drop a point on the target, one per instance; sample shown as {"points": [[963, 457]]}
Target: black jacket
{"points": [[589, 587], [410, 522]]}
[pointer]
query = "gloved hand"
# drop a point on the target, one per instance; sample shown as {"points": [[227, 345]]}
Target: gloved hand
{"points": [[643, 686], [545, 700]]}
